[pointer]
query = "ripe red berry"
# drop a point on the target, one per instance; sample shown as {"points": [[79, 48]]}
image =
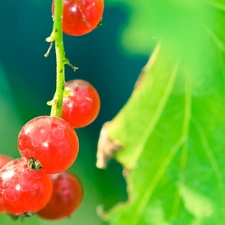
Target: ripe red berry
{"points": [[23, 190], [81, 16], [3, 160], [66, 198], [81, 103], [48, 143]]}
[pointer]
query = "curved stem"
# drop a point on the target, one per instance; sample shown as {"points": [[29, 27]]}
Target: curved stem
{"points": [[57, 36]]}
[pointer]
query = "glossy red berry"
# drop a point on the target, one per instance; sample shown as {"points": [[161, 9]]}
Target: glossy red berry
{"points": [[81, 103], [23, 190], [81, 16], [48, 143], [3, 160], [66, 198]]}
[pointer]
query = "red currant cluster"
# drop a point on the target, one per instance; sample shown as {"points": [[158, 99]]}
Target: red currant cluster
{"points": [[38, 181]]}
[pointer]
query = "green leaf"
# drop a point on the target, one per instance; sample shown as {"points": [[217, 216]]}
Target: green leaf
{"points": [[172, 128], [180, 22]]}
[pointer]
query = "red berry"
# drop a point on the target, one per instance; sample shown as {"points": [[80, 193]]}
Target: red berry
{"points": [[81, 16], [48, 143], [81, 103], [23, 190], [66, 198], [3, 160]]}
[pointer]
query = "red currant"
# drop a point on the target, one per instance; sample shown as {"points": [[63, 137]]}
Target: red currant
{"points": [[66, 198], [81, 103], [3, 160], [23, 190], [48, 143], [81, 16]]}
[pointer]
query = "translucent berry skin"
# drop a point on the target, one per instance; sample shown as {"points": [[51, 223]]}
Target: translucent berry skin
{"points": [[66, 198], [23, 190], [50, 140], [3, 160], [81, 103], [81, 16]]}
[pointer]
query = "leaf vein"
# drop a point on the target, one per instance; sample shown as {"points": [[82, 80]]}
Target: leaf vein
{"points": [[184, 153], [154, 119], [212, 160], [216, 5], [152, 185], [216, 40]]}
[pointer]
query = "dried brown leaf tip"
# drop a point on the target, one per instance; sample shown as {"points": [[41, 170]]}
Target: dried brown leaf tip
{"points": [[147, 67], [106, 147]]}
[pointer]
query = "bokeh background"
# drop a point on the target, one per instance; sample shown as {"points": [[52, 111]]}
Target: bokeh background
{"points": [[27, 82]]}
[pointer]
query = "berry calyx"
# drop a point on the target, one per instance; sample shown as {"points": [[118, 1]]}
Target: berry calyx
{"points": [[23, 190], [66, 198], [49, 144], [80, 16], [81, 103]]}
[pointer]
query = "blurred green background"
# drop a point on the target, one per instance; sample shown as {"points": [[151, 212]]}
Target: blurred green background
{"points": [[27, 82], [191, 35]]}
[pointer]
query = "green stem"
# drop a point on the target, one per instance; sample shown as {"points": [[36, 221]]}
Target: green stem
{"points": [[57, 36]]}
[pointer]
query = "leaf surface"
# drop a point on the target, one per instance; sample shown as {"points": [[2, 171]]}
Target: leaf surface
{"points": [[172, 127]]}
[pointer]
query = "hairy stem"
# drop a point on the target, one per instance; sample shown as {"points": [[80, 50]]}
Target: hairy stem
{"points": [[57, 36]]}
